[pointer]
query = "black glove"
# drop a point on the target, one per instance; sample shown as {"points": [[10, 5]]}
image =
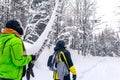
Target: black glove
{"points": [[33, 57], [30, 71], [30, 65], [74, 77]]}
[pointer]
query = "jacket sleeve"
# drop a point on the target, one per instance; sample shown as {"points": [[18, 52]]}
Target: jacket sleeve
{"points": [[69, 62], [17, 53]]}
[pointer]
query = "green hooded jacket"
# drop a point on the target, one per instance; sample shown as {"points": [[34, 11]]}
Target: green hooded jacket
{"points": [[12, 58]]}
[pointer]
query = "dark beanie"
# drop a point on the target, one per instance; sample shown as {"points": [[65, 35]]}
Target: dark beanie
{"points": [[60, 44], [14, 24]]}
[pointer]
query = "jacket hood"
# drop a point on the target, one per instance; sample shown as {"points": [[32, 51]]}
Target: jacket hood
{"points": [[60, 45]]}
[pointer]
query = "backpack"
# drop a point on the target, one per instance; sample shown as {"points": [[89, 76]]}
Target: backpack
{"points": [[62, 70], [52, 61], [60, 67]]}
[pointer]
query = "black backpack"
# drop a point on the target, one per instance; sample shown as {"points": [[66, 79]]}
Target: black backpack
{"points": [[52, 61]]}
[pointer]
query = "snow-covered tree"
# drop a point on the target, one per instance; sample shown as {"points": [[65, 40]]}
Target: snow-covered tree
{"points": [[84, 12], [78, 36], [106, 44], [39, 16], [4, 11], [19, 10], [14, 9], [59, 23]]}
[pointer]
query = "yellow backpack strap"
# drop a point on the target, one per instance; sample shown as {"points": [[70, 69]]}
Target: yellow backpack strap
{"points": [[60, 60]]}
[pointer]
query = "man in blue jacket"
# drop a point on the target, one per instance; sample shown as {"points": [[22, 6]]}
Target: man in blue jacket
{"points": [[64, 56]]}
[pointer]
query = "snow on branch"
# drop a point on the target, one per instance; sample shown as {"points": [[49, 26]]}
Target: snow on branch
{"points": [[39, 43]]}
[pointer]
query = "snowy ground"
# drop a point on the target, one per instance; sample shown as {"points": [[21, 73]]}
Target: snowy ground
{"points": [[88, 68]]}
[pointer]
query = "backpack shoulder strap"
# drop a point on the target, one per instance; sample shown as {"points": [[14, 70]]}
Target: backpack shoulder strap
{"points": [[54, 56], [60, 59], [5, 44]]}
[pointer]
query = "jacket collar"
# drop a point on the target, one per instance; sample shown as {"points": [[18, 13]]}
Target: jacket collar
{"points": [[10, 31]]}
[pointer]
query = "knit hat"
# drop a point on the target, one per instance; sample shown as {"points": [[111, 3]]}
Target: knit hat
{"points": [[60, 44], [14, 24]]}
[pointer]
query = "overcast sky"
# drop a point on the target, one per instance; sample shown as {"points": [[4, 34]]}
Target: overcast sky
{"points": [[108, 10]]}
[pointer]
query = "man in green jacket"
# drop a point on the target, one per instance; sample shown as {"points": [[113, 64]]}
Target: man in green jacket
{"points": [[12, 52]]}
